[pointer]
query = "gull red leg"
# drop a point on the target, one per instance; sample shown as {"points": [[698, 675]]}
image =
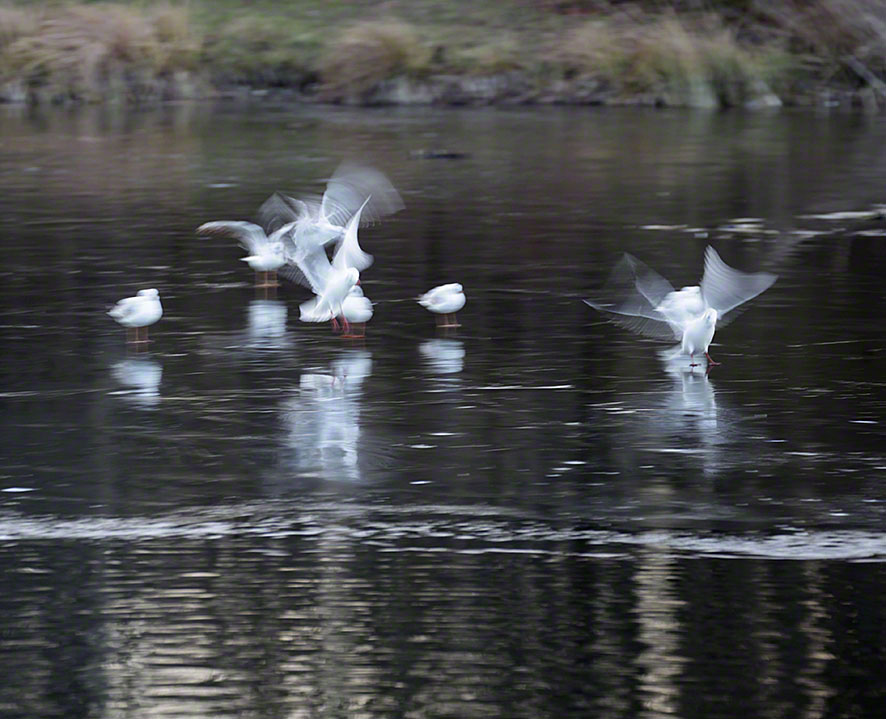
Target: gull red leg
{"points": [[710, 359]]}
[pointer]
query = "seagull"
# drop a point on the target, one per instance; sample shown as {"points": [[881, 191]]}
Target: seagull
{"points": [[648, 304], [265, 252], [138, 312], [324, 219], [330, 282], [445, 301], [357, 310]]}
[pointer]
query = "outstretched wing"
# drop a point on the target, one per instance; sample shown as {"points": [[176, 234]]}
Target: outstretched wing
{"points": [[350, 186], [629, 298], [725, 288], [284, 236], [349, 253], [631, 318], [251, 237], [279, 210], [310, 267], [646, 281]]}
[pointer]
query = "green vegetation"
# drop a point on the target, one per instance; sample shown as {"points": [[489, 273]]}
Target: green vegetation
{"points": [[673, 53]]}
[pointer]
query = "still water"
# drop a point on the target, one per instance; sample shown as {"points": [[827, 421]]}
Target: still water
{"points": [[531, 516]]}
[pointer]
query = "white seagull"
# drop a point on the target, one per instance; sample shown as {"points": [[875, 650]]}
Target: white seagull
{"points": [[323, 220], [330, 282], [138, 312], [357, 310], [265, 250], [645, 302], [444, 301]]}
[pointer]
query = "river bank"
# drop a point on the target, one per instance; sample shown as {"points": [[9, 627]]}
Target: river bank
{"points": [[735, 54]]}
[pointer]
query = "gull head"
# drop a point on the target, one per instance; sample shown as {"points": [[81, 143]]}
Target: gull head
{"points": [[149, 293]]}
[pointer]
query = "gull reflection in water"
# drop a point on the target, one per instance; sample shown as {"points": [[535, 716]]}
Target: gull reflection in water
{"points": [[141, 376], [323, 421], [692, 399], [266, 324], [444, 357]]}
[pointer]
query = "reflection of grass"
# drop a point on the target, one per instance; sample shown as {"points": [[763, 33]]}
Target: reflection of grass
{"points": [[143, 49]]}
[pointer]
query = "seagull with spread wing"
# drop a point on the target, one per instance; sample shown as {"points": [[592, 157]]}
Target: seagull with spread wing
{"points": [[331, 282], [646, 303], [265, 251], [323, 220]]}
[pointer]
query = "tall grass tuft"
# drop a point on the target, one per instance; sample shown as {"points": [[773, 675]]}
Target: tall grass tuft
{"points": [[697, 62], [90, 52], [368, 52]]}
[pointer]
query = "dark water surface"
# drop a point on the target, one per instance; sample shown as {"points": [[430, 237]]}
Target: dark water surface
{"points": [[530, 517]]}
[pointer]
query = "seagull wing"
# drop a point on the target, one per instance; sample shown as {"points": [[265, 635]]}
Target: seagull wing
{"points": [[632, 293], [124, 308], [279, 210], [308, 267], [431, 294], [725, 288], [349, 253], [350, 186], [250, 236], [647, 281], [283, 238], [638, 319]]}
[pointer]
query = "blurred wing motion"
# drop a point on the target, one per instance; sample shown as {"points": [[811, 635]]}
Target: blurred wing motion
{"points": [[250, 236], [280, 209], [633, 292], [308, 266], [350, 187], [724, 288], [349, 253]]}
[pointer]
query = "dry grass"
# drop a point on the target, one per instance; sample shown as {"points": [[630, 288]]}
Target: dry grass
{"points": [[501, 54], [88, 52], [664, 50], [695, 62], [368, 52], [847, 37], [16, 22], [260, 51]]}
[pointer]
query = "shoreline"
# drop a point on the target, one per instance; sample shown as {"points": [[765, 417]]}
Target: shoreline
{"points": [[511, 89], [451, 53]]}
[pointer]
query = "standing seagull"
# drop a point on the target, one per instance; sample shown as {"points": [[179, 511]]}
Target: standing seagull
{"points": [[138, 312], [357, 310], [645, 302], [444, 301]]}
